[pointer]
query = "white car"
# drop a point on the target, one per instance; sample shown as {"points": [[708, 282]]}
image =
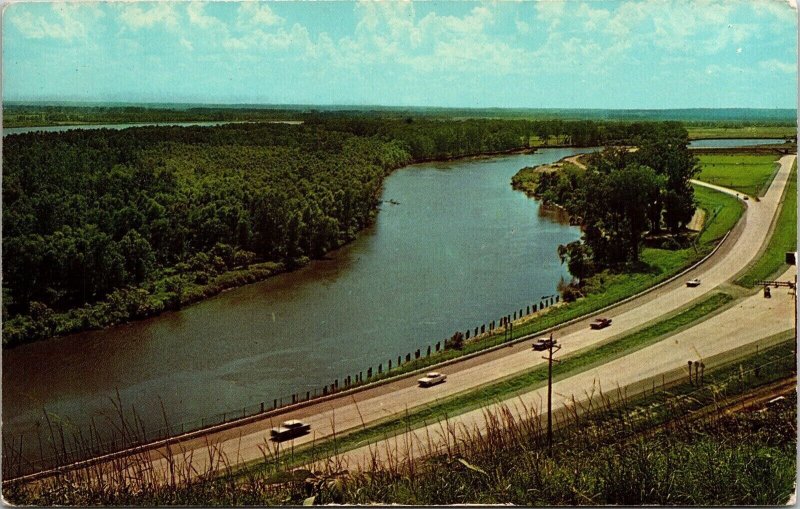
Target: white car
{"points": [[431, 378], [693, 282], [290, 429]]}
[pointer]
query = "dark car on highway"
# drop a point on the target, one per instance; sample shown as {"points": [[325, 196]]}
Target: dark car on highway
{"points": [[600, 323], [543, 344]]}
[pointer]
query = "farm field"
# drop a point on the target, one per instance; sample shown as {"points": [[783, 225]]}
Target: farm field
{"points": [[747, 173], [697, 133]]}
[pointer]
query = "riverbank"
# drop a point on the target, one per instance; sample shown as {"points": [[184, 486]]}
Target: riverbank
{"points": [[173, 289]]}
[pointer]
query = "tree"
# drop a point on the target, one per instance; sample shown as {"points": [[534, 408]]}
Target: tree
{"points": [[138, 254], [578, 257]]}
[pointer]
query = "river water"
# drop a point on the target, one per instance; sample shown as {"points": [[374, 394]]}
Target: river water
{"points": [[734, 142], [458, 249], [61, 128]]}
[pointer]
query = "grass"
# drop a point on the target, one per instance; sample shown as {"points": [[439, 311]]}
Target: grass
{"points": [[656, 449], [783, 239], [696, 133], [569, 366], [747, 173]]}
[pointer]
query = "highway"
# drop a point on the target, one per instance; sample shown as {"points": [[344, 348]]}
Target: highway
{"points": [[749, 320]]}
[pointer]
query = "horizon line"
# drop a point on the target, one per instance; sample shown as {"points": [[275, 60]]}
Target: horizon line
{"points": [[73, 102]]}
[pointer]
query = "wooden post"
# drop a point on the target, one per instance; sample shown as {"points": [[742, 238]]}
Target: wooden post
{"points": [[429, 351], [416, 354], [483, 328], [528, 310], [438, 345]]}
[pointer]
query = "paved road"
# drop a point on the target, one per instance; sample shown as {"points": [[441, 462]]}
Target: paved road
{"points": [[735, 327], [245, 443]]}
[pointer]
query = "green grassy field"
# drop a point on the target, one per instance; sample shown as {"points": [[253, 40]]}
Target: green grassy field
{"points": [[696, 133], [783, 239], [747, 173]]}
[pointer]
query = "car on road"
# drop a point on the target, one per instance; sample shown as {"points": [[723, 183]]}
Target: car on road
{"points": [[600, 323], [431, 378], [290, 429], [543, 344], [692, 283]]}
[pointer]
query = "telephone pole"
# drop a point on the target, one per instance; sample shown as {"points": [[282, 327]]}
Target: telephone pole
{"points": [[549, 359]]}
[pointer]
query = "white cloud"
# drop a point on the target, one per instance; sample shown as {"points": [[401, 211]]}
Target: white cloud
{"points": [[65, 26], [257, 13], [775, 65], [160, 13], [197, 16], [186, 44]]}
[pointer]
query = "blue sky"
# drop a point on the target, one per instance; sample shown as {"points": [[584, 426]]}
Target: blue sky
{"points": [[538, 54]]}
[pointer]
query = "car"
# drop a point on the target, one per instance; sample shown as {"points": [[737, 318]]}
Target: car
{"points": [[600, 323], [431, 378], [290, 429], [692, 283], [543, 344]]}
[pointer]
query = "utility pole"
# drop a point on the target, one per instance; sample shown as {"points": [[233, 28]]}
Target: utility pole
{"points": [[549, 359]]}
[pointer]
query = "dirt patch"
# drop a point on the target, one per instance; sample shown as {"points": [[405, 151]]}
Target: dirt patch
{"points": [[698, 220]]}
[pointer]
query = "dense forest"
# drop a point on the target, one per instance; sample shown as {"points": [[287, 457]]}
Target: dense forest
{"points": [[103, 226]]}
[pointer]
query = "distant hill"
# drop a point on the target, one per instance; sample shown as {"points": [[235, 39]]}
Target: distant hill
{"points": [[48, 113]]}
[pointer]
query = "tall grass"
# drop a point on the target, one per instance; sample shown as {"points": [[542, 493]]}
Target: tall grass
{"points": [[608, 449]]}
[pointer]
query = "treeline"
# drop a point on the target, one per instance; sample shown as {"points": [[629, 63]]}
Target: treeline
{"points": [[45, 115], [623, 194], [434, 139]]}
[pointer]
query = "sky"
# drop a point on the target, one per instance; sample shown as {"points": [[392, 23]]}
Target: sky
{"points": [[511, 54]]}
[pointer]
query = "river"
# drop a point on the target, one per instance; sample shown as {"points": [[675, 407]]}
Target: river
{"points": [[455, 249], [734, 142], [60, 128]]}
